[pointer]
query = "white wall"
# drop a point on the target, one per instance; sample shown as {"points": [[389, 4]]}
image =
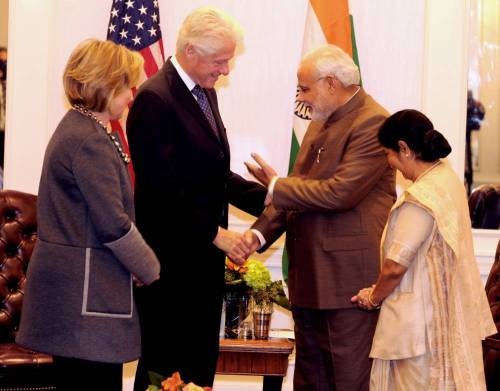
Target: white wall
{"points": [[412, 54], [257, 98]]}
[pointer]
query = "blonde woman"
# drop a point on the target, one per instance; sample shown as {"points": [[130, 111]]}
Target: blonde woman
{"points": [[79, 304]]}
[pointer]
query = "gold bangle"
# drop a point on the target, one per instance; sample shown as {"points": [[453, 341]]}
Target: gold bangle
{"points": [[374, 305]]}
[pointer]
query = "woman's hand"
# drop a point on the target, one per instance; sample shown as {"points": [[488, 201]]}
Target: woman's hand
{"points": [[364, 299], [138, 283], [371, 298]]}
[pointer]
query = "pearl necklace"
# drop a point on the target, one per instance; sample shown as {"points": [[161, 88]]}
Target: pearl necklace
{"points": [[82, 110]]}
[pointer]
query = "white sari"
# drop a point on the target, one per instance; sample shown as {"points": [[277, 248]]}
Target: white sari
{"points": [[430, 328]]}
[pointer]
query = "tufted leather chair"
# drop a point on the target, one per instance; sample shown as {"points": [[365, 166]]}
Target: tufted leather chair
{"points": [[491, 346], [20, 368], [484, 207]]}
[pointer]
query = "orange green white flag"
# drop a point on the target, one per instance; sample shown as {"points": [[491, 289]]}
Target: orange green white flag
{"points": [[327, 22]]}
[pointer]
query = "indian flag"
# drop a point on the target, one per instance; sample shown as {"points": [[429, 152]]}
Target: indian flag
{"points": [[327, 22]]}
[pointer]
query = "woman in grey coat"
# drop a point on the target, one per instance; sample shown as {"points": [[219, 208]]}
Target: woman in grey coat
{"points": [[79, 304]]}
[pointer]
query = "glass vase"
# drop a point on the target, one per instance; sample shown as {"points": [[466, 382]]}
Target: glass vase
{"points": [[262, 313], [237, 306]]}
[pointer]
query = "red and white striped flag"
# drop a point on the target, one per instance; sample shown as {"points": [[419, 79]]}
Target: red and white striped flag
{"points": [[136, 25]]}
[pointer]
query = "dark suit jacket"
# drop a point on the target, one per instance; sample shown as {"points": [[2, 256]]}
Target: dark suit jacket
{"points": [[334, 210], [182, 190], [182, 170]]}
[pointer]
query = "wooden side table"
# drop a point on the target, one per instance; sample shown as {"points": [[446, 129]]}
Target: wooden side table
{"points": [[267, 358]]}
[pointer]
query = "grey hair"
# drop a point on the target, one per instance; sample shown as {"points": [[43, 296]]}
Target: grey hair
{"points": [[208, 30], [330, 60]]}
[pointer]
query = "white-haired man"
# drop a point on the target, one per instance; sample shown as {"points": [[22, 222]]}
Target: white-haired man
{"points": [[333, 208], [181, 155]]}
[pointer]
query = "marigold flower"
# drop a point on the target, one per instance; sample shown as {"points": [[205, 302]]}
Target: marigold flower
{"points": [[172, 383]]}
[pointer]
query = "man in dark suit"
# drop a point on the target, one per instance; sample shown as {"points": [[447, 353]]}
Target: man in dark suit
{"points": [[181, 158], [333, 208]]}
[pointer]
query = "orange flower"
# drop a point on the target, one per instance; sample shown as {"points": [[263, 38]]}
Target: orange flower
{"points": [[232, 266], [172, 383], [175, 383]]}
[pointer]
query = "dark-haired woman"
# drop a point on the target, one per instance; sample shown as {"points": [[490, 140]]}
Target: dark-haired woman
{"points": [[434, 311]]}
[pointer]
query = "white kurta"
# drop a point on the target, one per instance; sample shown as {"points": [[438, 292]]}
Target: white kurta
{"points": [[401, 334]]}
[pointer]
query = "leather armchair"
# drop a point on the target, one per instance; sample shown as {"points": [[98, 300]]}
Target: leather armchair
{"points": [[20, 368], [491, 345]]}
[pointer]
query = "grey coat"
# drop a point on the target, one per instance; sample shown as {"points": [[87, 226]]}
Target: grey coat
{"points": [[79, 301]]}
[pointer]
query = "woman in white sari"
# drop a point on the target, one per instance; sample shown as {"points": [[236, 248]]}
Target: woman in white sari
{"points": [[434, 311]]}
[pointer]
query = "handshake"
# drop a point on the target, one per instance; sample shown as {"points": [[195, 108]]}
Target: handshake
{"points": [[238, 247]]}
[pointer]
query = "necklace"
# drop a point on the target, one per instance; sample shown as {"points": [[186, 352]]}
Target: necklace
{"points": [[82, 110], [427, 170]]}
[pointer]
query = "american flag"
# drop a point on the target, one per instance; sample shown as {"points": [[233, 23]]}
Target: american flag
{"points": [[136, 25]]}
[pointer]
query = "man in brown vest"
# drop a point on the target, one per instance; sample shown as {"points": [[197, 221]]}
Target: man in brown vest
{"points": [[333, 208]]}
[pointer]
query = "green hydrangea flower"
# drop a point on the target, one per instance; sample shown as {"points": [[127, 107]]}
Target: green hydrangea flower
{"points": [[257, 276]]}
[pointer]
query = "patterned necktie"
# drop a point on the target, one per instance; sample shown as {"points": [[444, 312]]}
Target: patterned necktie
{"points": [[205, 107]]}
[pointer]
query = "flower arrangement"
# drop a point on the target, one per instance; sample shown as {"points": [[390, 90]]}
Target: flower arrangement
{"points": [[173, 383], [255, 278]]}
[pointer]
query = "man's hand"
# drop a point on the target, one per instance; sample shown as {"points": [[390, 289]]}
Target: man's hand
{"points": [[264, 173], [252, 241], [233, 244]]}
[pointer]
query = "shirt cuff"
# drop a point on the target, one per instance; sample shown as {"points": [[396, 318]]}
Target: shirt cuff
{"points": [[260, 237], [270, 188]]}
